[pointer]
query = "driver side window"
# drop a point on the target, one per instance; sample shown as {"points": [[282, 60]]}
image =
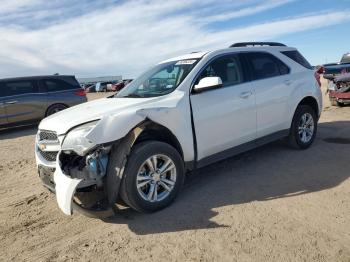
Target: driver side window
{"points": [[227, 67]]}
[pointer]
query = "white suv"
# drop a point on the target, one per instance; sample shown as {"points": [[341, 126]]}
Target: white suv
{"points": [[186, 112]]}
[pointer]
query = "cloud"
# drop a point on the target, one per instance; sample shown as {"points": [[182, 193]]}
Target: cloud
{"points": [[127, 38], [251, 10]]}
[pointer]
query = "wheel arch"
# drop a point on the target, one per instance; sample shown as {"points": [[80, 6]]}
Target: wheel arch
{"points": [[312, 102], [52, 105], [144, 131], [154, 131]]}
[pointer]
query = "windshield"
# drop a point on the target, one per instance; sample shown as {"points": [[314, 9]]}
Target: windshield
{"points": [[160, 80]]}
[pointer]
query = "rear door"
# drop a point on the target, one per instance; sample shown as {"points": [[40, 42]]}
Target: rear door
{"points": [[23, 101], [3, 116], [64, 92], [272, 85]]}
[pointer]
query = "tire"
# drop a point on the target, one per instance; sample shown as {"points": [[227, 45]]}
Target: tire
{"points": [[54, 109], [136, 197], [301, 134]]}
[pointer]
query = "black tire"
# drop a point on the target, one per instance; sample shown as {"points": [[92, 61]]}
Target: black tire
{"points": [[294, 139], [139, 154], [54, 109]]}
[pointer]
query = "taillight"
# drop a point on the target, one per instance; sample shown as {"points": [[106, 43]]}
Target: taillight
{"points": [[80, 92], [317, 75]]}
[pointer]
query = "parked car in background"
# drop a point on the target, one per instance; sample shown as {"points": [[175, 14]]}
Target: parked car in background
{"points": [[101, 87], [117, 86], [330, 71], [345, 58], [29, 99], [184, 113], [339, 90], [127, 81], [90, 88]]}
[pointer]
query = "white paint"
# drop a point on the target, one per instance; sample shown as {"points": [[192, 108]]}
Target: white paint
{"points": [[65, 188], [223, 118]]}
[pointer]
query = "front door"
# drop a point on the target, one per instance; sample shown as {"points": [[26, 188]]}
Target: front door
{"points": [[224, 117], [23, 102]]}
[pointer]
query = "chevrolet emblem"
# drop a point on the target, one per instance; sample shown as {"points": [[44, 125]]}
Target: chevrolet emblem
{"points": [[42, 147]]}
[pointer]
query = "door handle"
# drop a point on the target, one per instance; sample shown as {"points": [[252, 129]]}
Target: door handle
{"points": [[245, 95], [11, 102], [287, 82]]}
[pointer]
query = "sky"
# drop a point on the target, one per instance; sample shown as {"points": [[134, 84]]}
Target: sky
{"points": [[108, 37]]}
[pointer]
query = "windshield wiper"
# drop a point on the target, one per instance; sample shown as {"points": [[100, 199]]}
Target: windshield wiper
{"points": [[131, 95]]}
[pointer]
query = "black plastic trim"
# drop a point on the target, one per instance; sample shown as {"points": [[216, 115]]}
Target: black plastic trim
{"points": [[242, 148]]}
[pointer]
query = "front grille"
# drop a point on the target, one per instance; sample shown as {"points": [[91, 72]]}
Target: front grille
{"points": [[47, 136], [49, 156]]}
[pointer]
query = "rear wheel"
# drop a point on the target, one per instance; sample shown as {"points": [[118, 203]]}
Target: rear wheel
{"points": [[304, 127], [54, 109], [153, 176]]}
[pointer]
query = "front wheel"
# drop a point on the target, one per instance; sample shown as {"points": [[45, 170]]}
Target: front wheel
{"points": [[153, 176], [304, 127]]}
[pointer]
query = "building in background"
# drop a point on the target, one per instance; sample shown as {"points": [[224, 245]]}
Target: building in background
{"points": [[94, 80]]}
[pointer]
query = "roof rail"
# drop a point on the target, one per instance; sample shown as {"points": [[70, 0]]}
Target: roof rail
{"points": [[244, 44]]}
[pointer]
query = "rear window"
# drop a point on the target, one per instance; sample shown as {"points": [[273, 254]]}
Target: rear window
{"points": [[297, 57], [265, 65], [20, 87], [53, 85]]}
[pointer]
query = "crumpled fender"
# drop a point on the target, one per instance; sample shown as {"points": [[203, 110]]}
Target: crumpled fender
{"points": [[117, 162], [116, 126]]}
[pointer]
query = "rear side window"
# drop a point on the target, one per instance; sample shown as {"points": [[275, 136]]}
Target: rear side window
{"points": [[228, 68], [53, 85], [297, 57], [264, 65], [20, 87]]}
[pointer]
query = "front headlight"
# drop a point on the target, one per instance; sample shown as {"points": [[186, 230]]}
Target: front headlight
{"points": [[76, 139]]}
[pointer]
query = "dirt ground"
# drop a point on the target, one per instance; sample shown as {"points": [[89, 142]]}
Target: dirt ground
{"points": [[270, 204]]}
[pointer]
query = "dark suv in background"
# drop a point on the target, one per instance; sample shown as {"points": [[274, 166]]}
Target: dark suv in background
{"points": [[29, 99]]}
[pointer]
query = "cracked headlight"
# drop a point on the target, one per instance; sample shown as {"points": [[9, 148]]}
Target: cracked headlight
{"points": [[76, 139]]}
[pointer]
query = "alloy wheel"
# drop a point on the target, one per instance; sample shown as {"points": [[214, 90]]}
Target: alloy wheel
{"points": [[156, 178], [306, 128]]}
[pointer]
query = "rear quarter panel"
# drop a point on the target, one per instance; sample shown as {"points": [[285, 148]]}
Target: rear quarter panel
{"points": [[66, 97], [305, 86]]}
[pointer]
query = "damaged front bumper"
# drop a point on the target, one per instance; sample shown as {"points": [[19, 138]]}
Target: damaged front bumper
{"points": [[89, 184], [78, 183], [65, 189]]}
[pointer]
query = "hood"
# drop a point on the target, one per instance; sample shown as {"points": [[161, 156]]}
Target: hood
{"points": [[62, 121]]}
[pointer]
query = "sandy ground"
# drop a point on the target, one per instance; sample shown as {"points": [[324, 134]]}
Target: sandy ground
{"points": [[270, 204]]}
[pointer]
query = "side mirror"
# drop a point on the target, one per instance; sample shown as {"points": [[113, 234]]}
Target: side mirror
{"points": [[207, 83]]}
